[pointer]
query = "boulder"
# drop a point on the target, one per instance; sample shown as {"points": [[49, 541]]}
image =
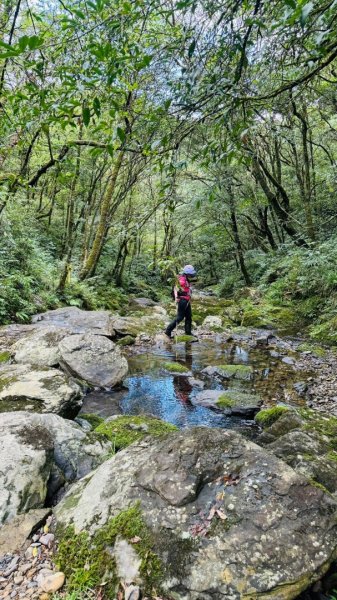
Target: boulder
{"points": [[127, 325], [306, 440], [79, 321], [40, 347], [32, 448], [40, 389], [232, 402], [94, 359], [143, 302], [226, 519]]}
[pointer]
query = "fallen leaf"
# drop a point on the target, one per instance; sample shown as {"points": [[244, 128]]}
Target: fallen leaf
{"points": [[221, 514], [211, 513], [135, 539]]}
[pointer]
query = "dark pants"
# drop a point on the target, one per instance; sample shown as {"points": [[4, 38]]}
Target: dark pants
{"points": [[184, 312]]}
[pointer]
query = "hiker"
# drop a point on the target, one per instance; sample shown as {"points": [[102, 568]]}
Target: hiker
{"points": [[182, 295]]}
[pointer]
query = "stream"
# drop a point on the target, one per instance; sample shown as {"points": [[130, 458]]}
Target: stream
{"points": [[150, 389]]}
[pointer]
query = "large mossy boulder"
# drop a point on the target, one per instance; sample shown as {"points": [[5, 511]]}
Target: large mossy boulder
{"points": [[305, 439], [126, 429], [94, 359], [40, 389], [38, 455], [209, 513]]}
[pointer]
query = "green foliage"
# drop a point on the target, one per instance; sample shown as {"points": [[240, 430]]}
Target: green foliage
{"points": [[268, 416], [88, 562], [125, 430]]}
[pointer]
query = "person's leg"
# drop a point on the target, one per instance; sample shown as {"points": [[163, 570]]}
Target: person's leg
{"points": [[181, 308], [188, 319]]}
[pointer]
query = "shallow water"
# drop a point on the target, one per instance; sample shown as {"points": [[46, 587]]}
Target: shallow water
{"points": [[152, 390]]}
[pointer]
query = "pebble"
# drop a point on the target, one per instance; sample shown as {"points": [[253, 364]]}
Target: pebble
{"points": [[18, 579], [52, 583], [47, 539]]}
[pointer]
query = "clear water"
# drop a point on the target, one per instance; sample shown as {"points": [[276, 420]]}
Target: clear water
{"points": [[152, 390]]}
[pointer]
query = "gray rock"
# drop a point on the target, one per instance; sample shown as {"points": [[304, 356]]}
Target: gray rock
{"points": [[212, 322], [78, 320], [31, 447], [41, 389], [269, 532], [241, 372], [40, 347], [14, 534], [143, 302], [93, 358], [300, 387], [230, 401]]}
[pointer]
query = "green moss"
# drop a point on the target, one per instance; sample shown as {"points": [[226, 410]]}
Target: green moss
{"points": [[94, 420], [125, 430], [332, 455], [321, 423], [243, 372], [4, 357], [315, 350], [320, 486], [88, 562], [268, 416], [185, 338], [175, 367], [128, 340], [225, 401]]}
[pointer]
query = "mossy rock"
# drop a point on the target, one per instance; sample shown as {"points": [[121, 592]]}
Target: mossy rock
{"points": [[128, 340], [268, 416], [126, 429], [93, 419], [5, 356], [231, 398], [185, 338], [175, 367], [88, 561], [225, 401], [317, 351], [242, 372]]}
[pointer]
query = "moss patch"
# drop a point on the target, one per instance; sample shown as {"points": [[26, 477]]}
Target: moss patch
{"points": [[185, 338], [125, 430], [94, 420], [225, 401], [175, 367], [88, 562], [321, 423], [4, 357], [243, 372], [318, 351], [268, 416], [128, 340]]}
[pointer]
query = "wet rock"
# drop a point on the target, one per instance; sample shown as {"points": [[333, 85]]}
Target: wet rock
{"points": [[94, 359], [79, 321], [41, 389], [32, 446], [127, 325], [242, 372], [196, 382], [269, 532], [230, 401], [14, 534]]}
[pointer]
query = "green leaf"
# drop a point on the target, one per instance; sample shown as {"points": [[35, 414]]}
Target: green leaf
{"points": [[121, 134], [291, 3], [23, 42], [191, 49], [86, 116], [110, 150], [34, 42], [306, 10], [97, 106]]}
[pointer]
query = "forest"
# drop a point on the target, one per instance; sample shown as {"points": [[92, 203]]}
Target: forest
{"points": [[152, 151], [140, 136]]}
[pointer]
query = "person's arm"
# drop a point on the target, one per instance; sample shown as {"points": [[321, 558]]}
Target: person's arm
{"points": [[175, 291]]}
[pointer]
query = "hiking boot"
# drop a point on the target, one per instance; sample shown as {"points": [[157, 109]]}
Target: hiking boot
{"points": [[168, 335]]}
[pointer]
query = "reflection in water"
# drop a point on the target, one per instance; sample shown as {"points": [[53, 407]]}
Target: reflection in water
{"points": [[154, 391]]}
